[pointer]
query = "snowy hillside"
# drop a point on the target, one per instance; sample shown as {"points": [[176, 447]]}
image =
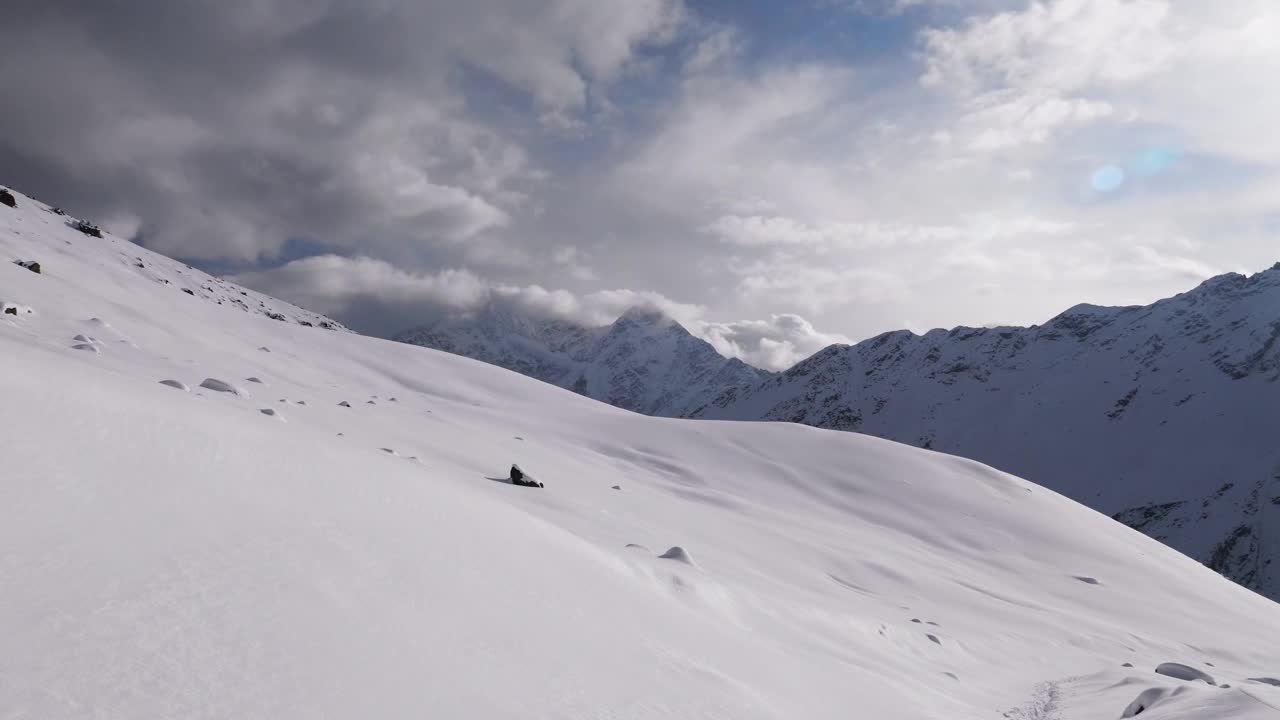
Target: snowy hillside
{"points": [[331, 538], [37, 232], [645, 361], [1165, 416]]}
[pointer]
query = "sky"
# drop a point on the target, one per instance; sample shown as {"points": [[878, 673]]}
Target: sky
{"points": [[778, 176]]}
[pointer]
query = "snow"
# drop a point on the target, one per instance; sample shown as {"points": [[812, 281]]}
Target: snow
{"points": [[222, 386], [170, 554], [1184, 672], [1163, 416]]}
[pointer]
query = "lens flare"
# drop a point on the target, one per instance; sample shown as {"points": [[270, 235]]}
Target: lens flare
{"points": [[1107, 178], [1155, 160]]}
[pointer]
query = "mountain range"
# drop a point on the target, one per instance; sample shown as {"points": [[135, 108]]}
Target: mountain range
{"points": [[645, 361], [1163, 416], [216, 510]]}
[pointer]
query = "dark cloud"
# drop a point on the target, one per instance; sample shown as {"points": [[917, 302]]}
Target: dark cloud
{"points": [[224, 129]]}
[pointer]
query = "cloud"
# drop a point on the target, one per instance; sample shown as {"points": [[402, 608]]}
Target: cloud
{"points": [[230, 127], [364, 293], [942, 174], [378, 298], [773, 344]]}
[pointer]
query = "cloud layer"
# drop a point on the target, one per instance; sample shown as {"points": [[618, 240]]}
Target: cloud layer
{"points": [[995, 161]]}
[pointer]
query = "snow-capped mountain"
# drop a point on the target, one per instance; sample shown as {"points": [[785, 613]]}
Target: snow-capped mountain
{"points": [[645, 361], [206, 513], [1165, 416]]}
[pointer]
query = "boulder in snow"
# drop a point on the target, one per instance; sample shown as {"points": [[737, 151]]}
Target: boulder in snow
{"points": [[88, 228], [7, 198], [217, 385], [31, 265]]}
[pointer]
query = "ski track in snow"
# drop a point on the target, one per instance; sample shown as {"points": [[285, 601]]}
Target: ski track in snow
{"points": [[1042, 706]]}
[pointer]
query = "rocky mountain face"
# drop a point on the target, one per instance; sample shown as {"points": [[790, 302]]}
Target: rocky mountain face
{"points": [[644, 361], [1166, 417]]}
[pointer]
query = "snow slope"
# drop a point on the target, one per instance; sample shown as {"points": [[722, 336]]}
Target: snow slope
{"points": [[1165, 416], [180, 553], [645, 361]]}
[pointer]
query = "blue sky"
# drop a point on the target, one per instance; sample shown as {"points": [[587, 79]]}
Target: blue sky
{"points": [[776, 175]]}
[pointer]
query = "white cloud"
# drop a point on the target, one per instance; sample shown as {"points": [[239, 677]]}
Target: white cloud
{"points": [[348, 288], [749, 184], [384, 299], [773, 344], [1056, 45]]}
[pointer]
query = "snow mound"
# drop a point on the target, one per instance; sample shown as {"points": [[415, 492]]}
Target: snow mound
{"points": [[344, 403], [178, 384], [1184, 672], [254, 380], [84, 339], [1146, 700], [678, 554], [222, 386], [87, 347], [270, 412]]}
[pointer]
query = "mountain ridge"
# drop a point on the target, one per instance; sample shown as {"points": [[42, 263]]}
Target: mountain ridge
{"points": [[1157, 415], [645, 361], [1151, 390]]}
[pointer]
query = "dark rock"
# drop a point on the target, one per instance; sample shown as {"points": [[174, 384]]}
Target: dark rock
{"points": [[7, 198], [11, 311], [88, 228], [31, 265], [189, 292]]}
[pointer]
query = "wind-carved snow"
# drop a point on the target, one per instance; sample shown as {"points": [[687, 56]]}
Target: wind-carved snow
{"points": [[173, 554]]}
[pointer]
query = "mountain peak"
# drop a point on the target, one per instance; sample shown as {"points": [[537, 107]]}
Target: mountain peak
{"points": [[644, 315]]}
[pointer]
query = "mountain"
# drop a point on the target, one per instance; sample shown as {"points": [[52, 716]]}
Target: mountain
{"points": [[645, 361], [208, 513], [1164, 416]]}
